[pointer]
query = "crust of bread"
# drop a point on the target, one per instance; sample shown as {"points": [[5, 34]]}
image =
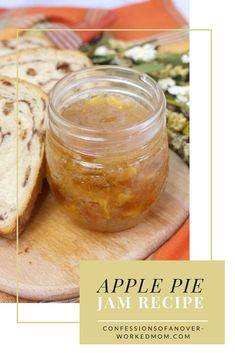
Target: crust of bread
{"points": [[32, 37], [42, 36], [34, 42], [23, 218], [10, 231], [48, 50], [13, 80]]}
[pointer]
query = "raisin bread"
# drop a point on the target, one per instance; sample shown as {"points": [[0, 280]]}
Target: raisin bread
{"points": [[32, 103], [43, 66], [9, 46]]}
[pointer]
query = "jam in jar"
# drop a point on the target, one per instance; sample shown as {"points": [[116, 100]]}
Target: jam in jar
{"points": [[106, 146]]}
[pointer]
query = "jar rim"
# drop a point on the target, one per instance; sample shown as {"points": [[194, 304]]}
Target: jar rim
{"points": [[142, 125]]}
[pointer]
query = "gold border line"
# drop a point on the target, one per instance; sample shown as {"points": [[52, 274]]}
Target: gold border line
{"points": [[17, 176], [211, 145], [48, 322], [116, 29], [17, 152]]}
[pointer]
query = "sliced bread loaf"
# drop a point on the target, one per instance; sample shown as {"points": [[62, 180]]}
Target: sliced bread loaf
{"points": [[43, 66], [9, 46], [27, 131]]}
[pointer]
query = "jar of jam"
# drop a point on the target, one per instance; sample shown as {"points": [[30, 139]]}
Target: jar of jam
{"points": [[106, 146]]}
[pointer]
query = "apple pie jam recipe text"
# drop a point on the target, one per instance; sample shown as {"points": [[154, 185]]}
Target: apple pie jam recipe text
{"points": [[191, 288]]}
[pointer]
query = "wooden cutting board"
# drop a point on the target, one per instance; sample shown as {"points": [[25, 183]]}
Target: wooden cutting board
{"points": [[51, 246]]}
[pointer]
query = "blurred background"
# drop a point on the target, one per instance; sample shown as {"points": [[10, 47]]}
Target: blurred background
{"points": [[181, 5]]}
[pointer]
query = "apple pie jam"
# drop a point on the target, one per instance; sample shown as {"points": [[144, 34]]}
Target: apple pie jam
{"points": [[106, 147]]}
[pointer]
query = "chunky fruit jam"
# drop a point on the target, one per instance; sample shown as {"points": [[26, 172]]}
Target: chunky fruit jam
{"points": [[113, 190]]}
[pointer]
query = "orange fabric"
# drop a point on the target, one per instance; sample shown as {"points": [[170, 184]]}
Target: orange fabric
{"points": [[151, 14], [176, 248]]}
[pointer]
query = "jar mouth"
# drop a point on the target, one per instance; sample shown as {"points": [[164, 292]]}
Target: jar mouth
{"points": [[87, 83], [108, 74]]}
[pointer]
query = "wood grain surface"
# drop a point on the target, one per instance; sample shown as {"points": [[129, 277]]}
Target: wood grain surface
{"points": [[52, 245]]}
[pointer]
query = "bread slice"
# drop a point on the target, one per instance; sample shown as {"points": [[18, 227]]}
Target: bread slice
{"points": [[9, 46], [43, 66], [30, 129]]}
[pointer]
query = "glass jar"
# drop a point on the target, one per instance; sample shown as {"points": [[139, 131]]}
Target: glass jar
{"points": [[107, 180]]}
